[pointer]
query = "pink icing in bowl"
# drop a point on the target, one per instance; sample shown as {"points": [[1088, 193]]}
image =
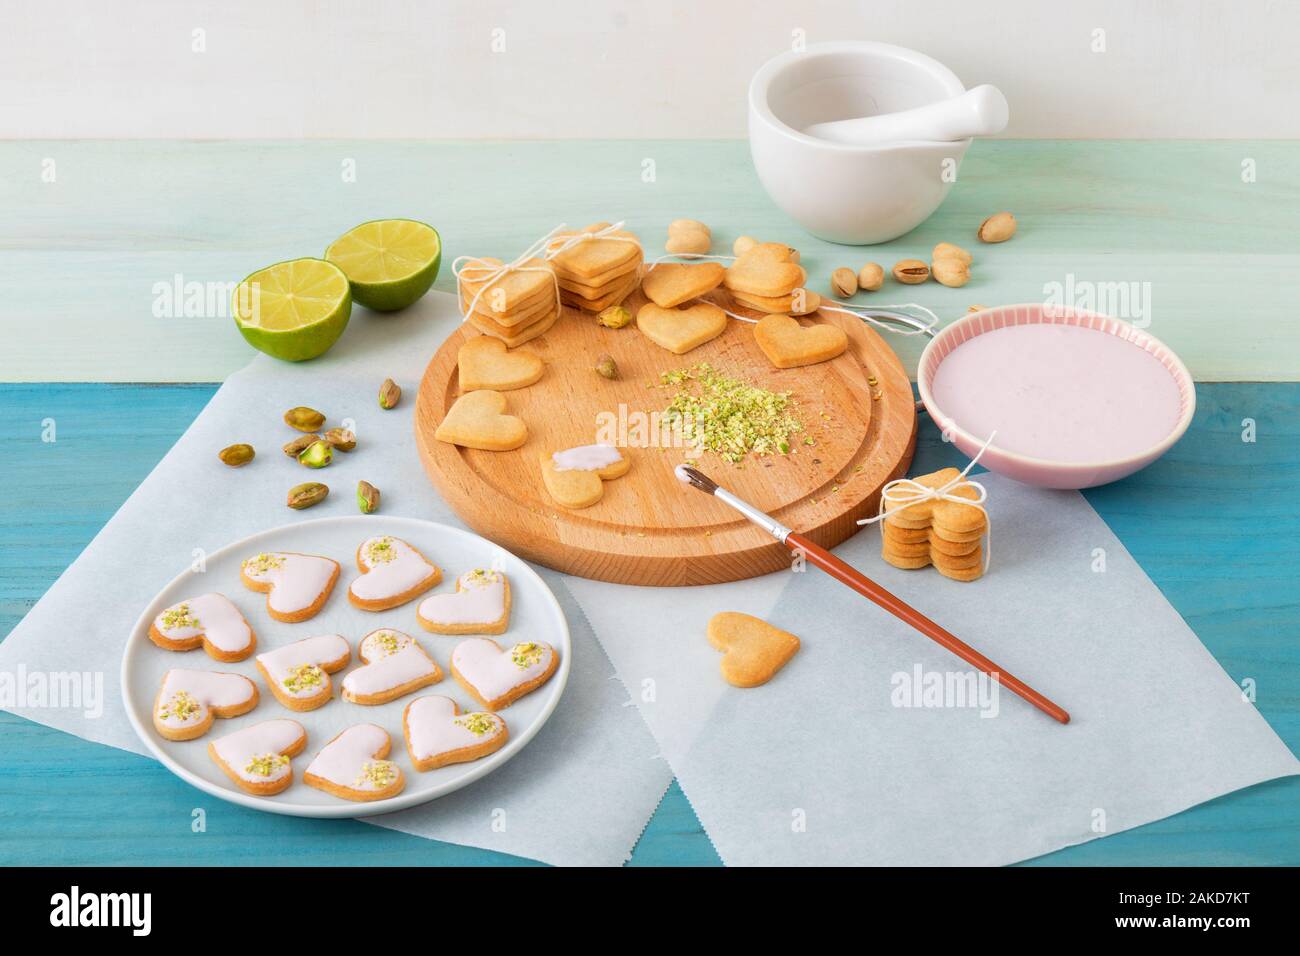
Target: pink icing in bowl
{"points": [[1078, 399]]}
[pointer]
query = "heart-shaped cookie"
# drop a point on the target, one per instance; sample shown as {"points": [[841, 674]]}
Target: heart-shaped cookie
{"points": [[188, 701], [480, 605], [752, 650], [394, 666], [483, 362], [787, 344], [299, 673], [508, 292], [211, 621], [438, 734], [670, 284], [576, 477], [588, 258], [256, 758], [767, 269], [682, 329], [352, 766], [479, 420], [519, 334], [799, 302], [392, 573], [497, 678], [296, 585]]}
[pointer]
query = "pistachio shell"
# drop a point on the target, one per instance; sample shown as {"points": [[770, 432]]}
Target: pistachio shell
{"points": [[997, 228], [306, 495], [911, 271], [844, 283], [871, 277]]}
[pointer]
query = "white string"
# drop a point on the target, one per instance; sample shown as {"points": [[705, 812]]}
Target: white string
{"points": [[885, 326], [905, 492], [541, 248]]}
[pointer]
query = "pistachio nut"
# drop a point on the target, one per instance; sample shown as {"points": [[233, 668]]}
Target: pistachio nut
{"points": [[606, 367], [236, 456], [317, 455], [844, 283], [390, 393], [947, 250], [304, 419], [300, 444], [615, 317], [871, 277], [341, 439], [367, 497], [997, 228], [911, 271], [307, 494], [951, 272]]}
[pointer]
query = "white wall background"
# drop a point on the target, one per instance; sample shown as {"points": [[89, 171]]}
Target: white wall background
{"points": [[618, 68]]}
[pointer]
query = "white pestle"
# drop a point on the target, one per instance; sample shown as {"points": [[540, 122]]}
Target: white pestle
{"points": [[981, 111]]}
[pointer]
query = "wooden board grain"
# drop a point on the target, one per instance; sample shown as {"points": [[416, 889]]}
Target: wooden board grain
{"points": [[649, 528]]}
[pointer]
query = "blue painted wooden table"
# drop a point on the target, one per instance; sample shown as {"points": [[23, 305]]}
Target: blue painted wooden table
{"points": [[1214, 524]]}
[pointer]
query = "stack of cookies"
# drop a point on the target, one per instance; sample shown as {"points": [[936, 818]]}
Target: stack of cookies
{"points": [[516, 306], [597, 273], [767, 277], [936, 531]]}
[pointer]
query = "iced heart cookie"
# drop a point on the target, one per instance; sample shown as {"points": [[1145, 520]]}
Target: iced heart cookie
{"points": [[497, 678], [483, 362], [576, 477], [299, 673], [670, 284], [680, 330], [296, 585], [479, 420], [394, 665], [392, 573], [767, 269], [480, 605], [787, 344], [752, 650], [188, 701], [256, 759], [210, 621], [352, 766], [438, 734]]}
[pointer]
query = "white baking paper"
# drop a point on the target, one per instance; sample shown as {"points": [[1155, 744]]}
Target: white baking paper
{"points": [[824, 766], [580, 793]]}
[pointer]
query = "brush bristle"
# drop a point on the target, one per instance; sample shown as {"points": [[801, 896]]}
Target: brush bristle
{"points": [[697, 478]]}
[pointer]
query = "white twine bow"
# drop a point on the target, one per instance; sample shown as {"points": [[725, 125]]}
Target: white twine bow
{"points": [[904, 492], [542, 248]]}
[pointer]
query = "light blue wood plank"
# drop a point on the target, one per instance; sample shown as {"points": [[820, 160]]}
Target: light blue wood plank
{"points": [[1212, 524], [1220, 257]]}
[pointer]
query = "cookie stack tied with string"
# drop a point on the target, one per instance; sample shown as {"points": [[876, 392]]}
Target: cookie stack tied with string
{"points": [[936, 519], [514, 302], [596, 267]]}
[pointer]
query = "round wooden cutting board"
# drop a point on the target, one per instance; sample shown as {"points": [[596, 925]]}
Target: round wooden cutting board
{"points": [[649, 528]]}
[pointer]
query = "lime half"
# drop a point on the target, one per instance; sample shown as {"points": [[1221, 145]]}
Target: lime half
{"points": [[390, 262], [294, 310]]}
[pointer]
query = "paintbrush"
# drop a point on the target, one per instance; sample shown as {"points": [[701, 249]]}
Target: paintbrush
{"points": [[869, 589]]}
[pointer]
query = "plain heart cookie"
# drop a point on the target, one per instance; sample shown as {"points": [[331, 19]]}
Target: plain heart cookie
{"points": [[787, 344], [669, 284], [438, 734], [767, 269], [188, 701], [588, 259], [497, 678], [752, 650], [210, 621], [392, 573], [352, 766], [480, 605], [479, 420], [296, 585], [299, 673], [680, 330], [798, 302], [576, 477], [484, 362], [257, 758], [394, 666]]}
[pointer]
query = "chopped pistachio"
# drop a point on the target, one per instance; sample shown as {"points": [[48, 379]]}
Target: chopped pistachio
{"points": [[381, 551], [178, 617], [727, 416], [477, 724], [525, 655]]}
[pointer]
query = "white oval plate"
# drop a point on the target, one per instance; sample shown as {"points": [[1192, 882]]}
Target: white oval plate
{"points": [[534, 613]]}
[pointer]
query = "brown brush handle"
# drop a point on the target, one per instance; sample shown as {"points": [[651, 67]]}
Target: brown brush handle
{"points": [[846, 574]]}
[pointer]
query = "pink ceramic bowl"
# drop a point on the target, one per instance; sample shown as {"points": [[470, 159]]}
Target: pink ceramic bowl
{"points": [[1042, 471]]}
